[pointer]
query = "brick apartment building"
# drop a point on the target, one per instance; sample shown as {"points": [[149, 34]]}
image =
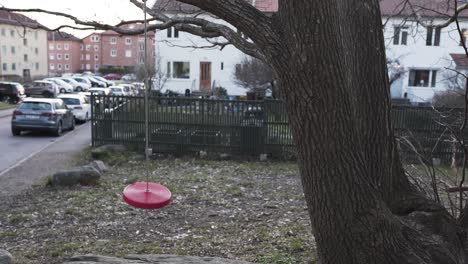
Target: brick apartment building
{"points": [[104, 49], [64, 53], [111, 49]]}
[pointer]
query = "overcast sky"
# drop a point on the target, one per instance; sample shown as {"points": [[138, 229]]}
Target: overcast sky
{"points": [[107, 11]]}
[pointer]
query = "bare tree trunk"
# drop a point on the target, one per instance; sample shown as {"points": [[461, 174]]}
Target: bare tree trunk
{"points": [[362, 207]]}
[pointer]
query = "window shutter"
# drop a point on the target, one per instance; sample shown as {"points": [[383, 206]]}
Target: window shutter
{"points": [[433, 79], [437, 36], [396, 36], [429, 36]]}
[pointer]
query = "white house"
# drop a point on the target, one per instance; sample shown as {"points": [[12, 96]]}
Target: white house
{"points": [[427, 55], [197, 69]]}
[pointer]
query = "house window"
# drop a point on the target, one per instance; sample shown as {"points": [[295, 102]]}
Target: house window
{"points": [[51, 56], [96, 66], [88, 47], [113, 53], [422, 78], [88, 57], [113, 41], [5, 67], [222, 65], [142, 47], [128, 53], [3, 32], [4, 50], [66, 46], [12, 32], [400, 35], [81, 57], [81, 46], [141, 60], [35, 35], [52, 66], [96, 48], [59, 46], [36, 50], [12, 49], [37, 66], [59, 56], [433, 36], [25, 41], [141, 39], [66, 56], [94, 38], [172, 32], [96, 57], [51, 46], [13, 66], [464, 37], [59, 66], [67, 66], [25, 57], [88, 66], [82, 66], [181, 70], [128, 41]]}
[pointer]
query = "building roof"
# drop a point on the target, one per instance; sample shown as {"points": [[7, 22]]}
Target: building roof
{"points": [[461, 61], [16, 19], [61, 36], [267, 6], [424, 8]]}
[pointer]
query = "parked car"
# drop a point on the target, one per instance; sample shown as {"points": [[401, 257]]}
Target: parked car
{"points": [[118, 90], [95, 82], [107, 82], [41, 88], [77, 86], [129, 89], [11, 92], [62, 85], [129, 77], [112, 76], [85, 83], [102, 91], [42, 114], [79, 104]]}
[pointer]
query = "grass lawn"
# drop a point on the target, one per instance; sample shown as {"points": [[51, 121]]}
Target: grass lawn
{"points": [[5, 106]]}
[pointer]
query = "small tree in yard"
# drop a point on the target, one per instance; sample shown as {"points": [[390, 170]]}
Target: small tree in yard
{"points": [[254, 75], [157, 77], [329, 58], [454, 96]]}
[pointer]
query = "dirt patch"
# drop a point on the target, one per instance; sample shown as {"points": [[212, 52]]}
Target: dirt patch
{"points": [[249, 211]]}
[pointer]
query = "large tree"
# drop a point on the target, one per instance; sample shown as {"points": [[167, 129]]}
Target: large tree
{"points": [[329, 58]]}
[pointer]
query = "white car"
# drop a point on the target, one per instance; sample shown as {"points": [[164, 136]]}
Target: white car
{"points": [[118, 90], [64, 87], [85, 84], [79, 105]]}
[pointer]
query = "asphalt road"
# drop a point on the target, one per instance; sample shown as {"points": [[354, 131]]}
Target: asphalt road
{"points": [[31, 156]]}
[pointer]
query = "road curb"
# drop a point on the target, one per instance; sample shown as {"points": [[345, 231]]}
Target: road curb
{"points": [[5, 112]]}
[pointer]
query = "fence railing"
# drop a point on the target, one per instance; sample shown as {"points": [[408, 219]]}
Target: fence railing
{"points": [[181, 125]]}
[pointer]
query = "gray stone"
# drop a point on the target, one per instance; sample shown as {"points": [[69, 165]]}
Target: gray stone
{"points": [[151, 259], [263, 157], [99, 165], [85, 175], [106, 150], [5, 257]]}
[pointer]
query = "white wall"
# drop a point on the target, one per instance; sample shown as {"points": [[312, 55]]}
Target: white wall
{"points": [[34, 41], [181, 49], [417, 55]]}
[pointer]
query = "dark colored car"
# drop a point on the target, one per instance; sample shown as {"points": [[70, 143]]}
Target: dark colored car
{"points": [[11, 92], [41, 114], [112, 76], [41, 88]]}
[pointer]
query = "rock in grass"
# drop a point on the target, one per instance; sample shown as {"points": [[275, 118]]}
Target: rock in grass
{"points": [[85, 175], [99, 165], [151, 259], [5, 257], [106, 151]]}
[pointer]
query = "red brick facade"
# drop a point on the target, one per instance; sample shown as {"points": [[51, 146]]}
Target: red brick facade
{"points": [[97, 50]]}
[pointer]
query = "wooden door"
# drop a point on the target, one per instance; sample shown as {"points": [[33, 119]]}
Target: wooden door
{"points": [[205, 76]]}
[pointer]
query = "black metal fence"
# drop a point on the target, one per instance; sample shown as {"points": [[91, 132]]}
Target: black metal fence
{"points": [[181, 125], [186, 125]]}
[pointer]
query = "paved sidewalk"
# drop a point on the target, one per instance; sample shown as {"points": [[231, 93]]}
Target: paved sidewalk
{"points": [[57, 156], [6, 112]]}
